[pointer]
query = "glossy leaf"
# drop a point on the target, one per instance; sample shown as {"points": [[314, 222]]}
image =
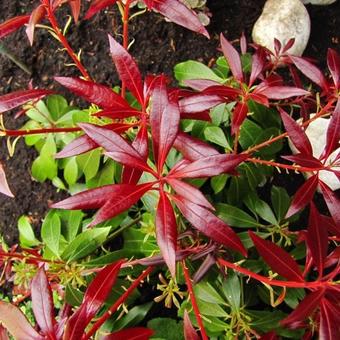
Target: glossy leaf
{"points": [[199, 102], [304, 309], [98, 5], [11, 25], [98, 94], [16, 323], [333, 61], [317, 238], [303, 196], [333, 132], [75, 8], [4, 188], [14, 99], [329, 321], [166, 231], [210, 225], [209, 166], [136, 333], [232, 57], [257, 65], [305, 160], [332, 201], [239, 115], [282, 92], [36, 16], [128, 70], [277, 258], [42, 303], [189, 330]]}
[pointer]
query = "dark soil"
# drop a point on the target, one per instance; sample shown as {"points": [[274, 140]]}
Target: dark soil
{"points": [[158, 47]]}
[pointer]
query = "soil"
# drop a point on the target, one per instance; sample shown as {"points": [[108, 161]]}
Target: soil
{"points": [[158, 46]]}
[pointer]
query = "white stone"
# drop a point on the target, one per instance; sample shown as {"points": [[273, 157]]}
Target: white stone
{"points": [[318, 2], [317, 135], [283, 20]]}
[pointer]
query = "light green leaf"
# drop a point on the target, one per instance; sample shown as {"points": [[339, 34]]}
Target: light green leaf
{"points": [[40, 113], [51, 232], [71, 171], [216, 135], [26, 235], [44, 167], [89, 163], [56, 105], [206, 292]]}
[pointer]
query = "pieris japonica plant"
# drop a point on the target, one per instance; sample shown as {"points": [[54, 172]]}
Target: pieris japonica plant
{"points": [[193, 195]]}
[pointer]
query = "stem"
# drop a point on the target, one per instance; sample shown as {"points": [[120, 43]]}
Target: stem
{"points": [[272, 282], [120, 301], [63, 40], [28, 257], [37, 131], [12, 57], [193, 301]]}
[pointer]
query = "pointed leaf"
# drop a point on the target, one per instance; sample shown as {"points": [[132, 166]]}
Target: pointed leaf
{"points": [[239, 115], [329, 321], [317, 238], [210, 225], [166, 231], [257, 65], [75, 8], [232, 57], [11, 25], [305, 160], [36, 16], [14, 99], [4, 188], [96, 6], [296, 134], [277, 258], [333, 61], [282, 92], [333, 132], [304, 309], [189, 330], [136, 333], [42, 303], [332, 201], [199, 103], [118, 113], [98, 94], [209, 166], [16, 323], [127, 68]]}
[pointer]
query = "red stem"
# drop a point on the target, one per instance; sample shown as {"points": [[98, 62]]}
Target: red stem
{"points": [[272, 282], [28, 257], [38, 131], [64, 42], [193, 301], [120, 301]]}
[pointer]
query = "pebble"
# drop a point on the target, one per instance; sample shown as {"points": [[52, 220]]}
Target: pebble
{"points": [[318, 2], [283, 20]]}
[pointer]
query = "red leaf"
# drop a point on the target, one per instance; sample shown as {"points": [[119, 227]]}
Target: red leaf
{"points": [[333, 61], [36, 16], [317, 238], [269, 336], [189, 330], [11, 25], [332, 201], [118, 148], [199, 103], [257, 65], [136, 333], [333, 132], [42, 303], [277, 258], [94, 297], [305, 161], [4, 188], [259, 98], [329, 321], [193, 148], [3, 333], [204, 115], [98, 94], [189, 192], [200, 84], [166, 231], [303, 196], [14, 99], [118, 113], [128, 70], [178, 13], [132, 175], [282, 92], [223, 91], [16, 323], [96, 6], [209, 166], [75, 8], [296, 134], [304, 309], [233, 58], [310, 71], [85, 143], [210, 225], [239, 115]]}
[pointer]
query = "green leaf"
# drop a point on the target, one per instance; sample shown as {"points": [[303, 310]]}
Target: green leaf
{"points": [[280, 201], [211, 309], [89, 163], [222, 67], [71, 171], [56, 105], [70, 223], [246, 62], [235, 216], [218, 182], [216, 135], [248, 134], [194, 70], [294, 296], [85, 243], [51, 232], [26, 235], [267, 135], [238, 189], [44, 167], [40, 113], [252, 173], [232, 290], [73, 296], [166, 329], [265, 116], [221, 113], [265, 212], [206, 292]]}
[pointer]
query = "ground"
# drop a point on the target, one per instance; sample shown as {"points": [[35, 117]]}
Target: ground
{"points": [[158, 46]]}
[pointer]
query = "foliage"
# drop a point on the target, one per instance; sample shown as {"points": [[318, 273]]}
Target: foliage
{"points": [[182, 179]]}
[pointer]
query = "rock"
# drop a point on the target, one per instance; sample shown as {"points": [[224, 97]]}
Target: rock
{"points": [[283, 20], [317, 134], [318, 2]]}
